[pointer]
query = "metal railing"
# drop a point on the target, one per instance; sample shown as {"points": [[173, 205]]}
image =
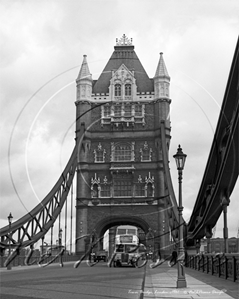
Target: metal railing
{"points": [[224, 265]]}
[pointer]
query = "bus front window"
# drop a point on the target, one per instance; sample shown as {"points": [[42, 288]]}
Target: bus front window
{"points": [[120, 248], [130, 248]]}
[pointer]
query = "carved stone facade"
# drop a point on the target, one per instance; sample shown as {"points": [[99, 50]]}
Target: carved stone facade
{"points": [[120, 175]]}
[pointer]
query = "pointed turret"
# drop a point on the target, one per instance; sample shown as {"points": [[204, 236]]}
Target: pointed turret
{"points": [[161, 79], [84, 70], [161, 92], [84, 82], [161, 69]]}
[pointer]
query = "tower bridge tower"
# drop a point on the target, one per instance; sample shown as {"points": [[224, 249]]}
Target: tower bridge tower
{"points": [[121, 168]]}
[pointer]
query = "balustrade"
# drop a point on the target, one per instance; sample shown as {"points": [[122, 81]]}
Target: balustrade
{"points": [[222, 265]]}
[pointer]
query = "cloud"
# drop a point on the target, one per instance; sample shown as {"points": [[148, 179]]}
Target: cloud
{"points": [[43, 39]]}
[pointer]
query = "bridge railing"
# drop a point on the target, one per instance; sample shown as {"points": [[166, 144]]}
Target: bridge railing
{"points": [[224, 265]]}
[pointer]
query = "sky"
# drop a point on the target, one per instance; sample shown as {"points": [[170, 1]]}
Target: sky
{"points": [[42, 48]]}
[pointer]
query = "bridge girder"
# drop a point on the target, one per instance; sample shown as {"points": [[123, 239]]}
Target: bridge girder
{"points": [[221, 172]]}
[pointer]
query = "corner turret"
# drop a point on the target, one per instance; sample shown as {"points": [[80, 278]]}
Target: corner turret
{"points": [[84, 82], [83, 96], [161, 94], [161, 80]]}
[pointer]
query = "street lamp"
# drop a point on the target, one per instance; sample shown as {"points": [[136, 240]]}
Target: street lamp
{"points": [[180, 158], [10, 217]]}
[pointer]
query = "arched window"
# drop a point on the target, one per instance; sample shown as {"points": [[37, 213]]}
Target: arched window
{"points": [[95, 191], [128, 89], [95, 182], [149, 185], [117, 90], [149, 190]]}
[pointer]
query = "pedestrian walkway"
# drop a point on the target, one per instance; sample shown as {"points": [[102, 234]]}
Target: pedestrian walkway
{"points": [[161, 283]]}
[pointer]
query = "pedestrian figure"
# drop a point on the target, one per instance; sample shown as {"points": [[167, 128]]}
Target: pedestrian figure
{"points": [[173, 259]]}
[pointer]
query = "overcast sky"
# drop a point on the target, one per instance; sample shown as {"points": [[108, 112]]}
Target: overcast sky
{"points": [[43, 43]]}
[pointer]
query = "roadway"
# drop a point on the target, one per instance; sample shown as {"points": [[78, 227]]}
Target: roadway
{"points": [[101, 282], [54, 282]]}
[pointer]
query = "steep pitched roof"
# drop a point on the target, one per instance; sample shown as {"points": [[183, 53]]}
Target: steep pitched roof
{"points": [[84, 70], [161, 70], [123, 54]]}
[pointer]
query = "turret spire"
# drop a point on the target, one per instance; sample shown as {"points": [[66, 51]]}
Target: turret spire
{"points": [[84, 70], [84, 82], [161, 80], [161, 69]]}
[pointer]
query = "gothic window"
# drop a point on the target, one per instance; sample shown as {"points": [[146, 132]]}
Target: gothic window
{"points": [[127, 110], [149, 185], [123, 113], [128, 89], [138, 110], [95, 191], [122, 152], [95, 187], [107, 109], [149, 190], [99, 154], [146, 152], [139, 188], [117, 90], [105, 189], [122, 188], [162, 90], [117, 110]]}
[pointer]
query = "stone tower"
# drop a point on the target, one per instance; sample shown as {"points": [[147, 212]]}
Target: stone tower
{"points": [[121, 169]]}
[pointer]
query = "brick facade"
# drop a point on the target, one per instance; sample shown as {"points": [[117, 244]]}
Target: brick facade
{"points": [[120, 175]]}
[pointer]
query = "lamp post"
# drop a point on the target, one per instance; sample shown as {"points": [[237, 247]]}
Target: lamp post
{"points": [[10, 217], [180, 158]]}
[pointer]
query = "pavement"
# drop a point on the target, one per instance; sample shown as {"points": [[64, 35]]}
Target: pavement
{"points": [[199, 285], [161, 282]]}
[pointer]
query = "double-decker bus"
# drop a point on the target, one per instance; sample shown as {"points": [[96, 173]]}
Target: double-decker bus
{"points": [[127, 247], [127, 229]]}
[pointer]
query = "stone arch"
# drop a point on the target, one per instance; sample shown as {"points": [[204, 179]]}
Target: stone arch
{"points": [[117, 220]]}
